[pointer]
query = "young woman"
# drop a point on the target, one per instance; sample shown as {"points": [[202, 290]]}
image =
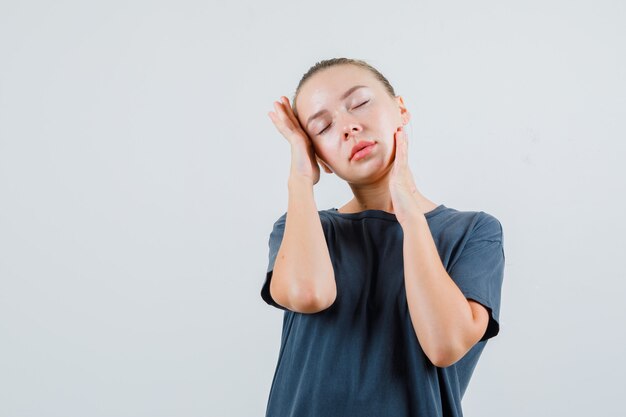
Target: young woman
{"points": [[389, 300]]}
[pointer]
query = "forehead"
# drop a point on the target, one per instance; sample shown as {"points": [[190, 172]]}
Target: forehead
{"points": [[327, 86]]}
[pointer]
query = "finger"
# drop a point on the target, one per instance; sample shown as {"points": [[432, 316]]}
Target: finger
{"points": [[275, 119], [277, 123], [280, 112], [280, 120], [396, 150], [401, 148], [405, 140], [278, 107], [289, 110]]}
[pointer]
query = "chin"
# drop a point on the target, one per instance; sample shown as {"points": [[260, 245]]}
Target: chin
{"points": [[370, 171]]}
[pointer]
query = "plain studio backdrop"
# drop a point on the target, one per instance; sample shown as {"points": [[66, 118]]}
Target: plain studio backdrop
{"points": [[140, 177]]}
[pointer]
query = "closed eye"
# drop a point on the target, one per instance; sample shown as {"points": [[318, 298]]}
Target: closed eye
{"points": [[365, 102], [324, 129]]}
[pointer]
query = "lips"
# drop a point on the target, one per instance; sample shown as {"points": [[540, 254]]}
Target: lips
{"points": [[359, 146]]}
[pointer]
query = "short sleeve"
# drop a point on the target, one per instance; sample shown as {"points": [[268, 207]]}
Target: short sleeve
{"points": [[479, 269], [276, 237]]}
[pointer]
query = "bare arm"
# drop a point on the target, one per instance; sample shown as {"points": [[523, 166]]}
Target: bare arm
{"points": [[303, 279], [446, 323]]}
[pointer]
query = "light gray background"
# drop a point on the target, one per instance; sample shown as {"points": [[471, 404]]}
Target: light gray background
{"points": [[140, 177]]}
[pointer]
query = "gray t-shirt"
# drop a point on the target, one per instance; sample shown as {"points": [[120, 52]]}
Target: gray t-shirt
{"points": [[360, 357]]}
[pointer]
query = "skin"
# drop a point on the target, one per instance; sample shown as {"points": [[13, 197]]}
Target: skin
{"points": [[446, 324], [372, 179]]}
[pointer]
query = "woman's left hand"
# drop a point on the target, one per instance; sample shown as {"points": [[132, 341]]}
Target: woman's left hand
{"points": [[401, 184]]}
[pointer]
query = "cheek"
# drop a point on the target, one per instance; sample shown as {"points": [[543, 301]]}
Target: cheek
{"points": [[386, 127], [323, 150], [386, 123], [388, 145]]}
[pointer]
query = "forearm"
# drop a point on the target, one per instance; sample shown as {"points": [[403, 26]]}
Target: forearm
{"points": [[303, 273], [439, 311]]}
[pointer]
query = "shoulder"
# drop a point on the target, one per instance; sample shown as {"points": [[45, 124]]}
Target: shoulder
{"points": [[281, 220], [486, 226], [279, 223], [465, 224]]}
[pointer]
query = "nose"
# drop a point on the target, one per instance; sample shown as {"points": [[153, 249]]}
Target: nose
{"points": [[351, 126]]}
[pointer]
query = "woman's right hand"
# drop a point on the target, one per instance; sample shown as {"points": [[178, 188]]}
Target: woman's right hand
{"points": [[303, 162]]}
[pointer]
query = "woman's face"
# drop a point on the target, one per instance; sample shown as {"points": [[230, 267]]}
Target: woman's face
{"points": [[343, 105]]}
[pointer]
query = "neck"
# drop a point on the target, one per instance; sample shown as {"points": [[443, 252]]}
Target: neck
{"points": [[376, 196]]}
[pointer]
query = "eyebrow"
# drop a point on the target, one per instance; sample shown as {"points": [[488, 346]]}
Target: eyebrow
{"points": [[343, 96]]}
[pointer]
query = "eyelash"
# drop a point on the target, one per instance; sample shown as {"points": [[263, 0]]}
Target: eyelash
{"points": [[366, 101]]}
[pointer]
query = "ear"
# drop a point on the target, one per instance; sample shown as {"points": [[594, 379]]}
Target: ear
{"points": [[327, 169], [404, 113]]}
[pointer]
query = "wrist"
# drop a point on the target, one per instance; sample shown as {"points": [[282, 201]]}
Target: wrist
{"points": [[299, 181], [414, 219]]}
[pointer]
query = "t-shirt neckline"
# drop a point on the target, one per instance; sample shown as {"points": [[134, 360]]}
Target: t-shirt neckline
{"points": [[381, 214]]}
